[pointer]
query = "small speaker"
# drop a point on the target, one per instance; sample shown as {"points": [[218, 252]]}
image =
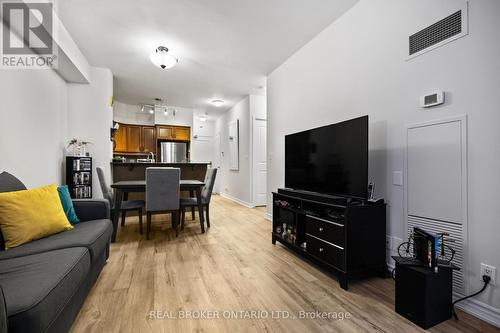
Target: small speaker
{"points": [[433, 99]]}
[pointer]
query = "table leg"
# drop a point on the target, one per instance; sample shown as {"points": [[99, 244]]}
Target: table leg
{"points": [[116, 212], [191, 194], [200, 209]]}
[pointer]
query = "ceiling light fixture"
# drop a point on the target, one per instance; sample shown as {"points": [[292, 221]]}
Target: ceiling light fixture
{"points": [[162, 58], [218, 102]]}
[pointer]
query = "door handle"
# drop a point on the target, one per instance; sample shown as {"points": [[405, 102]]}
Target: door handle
{"points": [[320, 249], [320, 229]]}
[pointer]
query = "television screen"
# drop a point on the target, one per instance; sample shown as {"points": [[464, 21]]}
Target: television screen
{"points": [[331, 159]]}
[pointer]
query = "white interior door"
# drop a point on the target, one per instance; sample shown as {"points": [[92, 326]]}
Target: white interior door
{"points": [[217, 161], [202, 150], [259, 162]]}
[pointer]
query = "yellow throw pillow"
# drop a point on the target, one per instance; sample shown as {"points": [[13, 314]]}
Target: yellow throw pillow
{"points": [[31, 214]]}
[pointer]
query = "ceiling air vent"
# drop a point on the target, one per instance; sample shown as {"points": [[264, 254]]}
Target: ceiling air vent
{"points": [[451, 27]]}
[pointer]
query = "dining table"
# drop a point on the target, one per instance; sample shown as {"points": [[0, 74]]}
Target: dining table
{"points": [[122, 188]]}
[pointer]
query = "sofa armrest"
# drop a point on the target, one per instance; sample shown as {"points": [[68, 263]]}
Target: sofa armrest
{"points": [[91, 209], [3, 313]]}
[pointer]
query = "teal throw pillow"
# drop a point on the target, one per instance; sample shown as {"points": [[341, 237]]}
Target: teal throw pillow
{"points": [[67, 204]]}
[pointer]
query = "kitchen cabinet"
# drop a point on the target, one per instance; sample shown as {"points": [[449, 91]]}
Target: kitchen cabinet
{"points": [[120, 139], [148, 139], [164, 132], [173, 133], [135, 139], [181, 133]]}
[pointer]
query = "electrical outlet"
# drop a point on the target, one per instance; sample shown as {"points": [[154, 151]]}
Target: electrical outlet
{"points": [[388, 242], [490, 271]]}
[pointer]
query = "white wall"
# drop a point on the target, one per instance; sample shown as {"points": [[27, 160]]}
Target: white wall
{"points": [[131, 114], [183, 117], [90, 118], [357, 66], [236, 184], [32, 125]]}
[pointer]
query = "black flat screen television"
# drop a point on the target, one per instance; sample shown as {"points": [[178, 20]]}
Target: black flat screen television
{"points": [[330, 160]]}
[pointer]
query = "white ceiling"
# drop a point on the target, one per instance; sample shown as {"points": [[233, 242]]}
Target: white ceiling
{"points": [[225, 48]]}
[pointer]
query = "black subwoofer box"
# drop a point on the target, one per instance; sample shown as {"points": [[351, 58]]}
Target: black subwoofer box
{"points": [[423, 296]]}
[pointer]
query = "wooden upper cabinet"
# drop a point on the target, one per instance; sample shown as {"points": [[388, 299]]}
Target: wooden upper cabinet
{"points": [[174, 133], [134, 139], [164, 132], [120, 139], [148, 139], [182, 133], [137, 139]]}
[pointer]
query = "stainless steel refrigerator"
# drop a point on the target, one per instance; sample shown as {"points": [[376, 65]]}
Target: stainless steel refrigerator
{"points": [[173, 152]]}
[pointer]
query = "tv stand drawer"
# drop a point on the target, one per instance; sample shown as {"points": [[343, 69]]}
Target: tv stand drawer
{"points": [[326, 230], [325, 251]]}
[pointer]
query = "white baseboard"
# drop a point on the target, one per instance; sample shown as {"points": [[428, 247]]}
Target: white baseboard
{"points": [[269, 216], [241, 202], [480, 310]]}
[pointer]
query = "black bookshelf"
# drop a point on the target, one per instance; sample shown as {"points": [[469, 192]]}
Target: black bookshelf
{"points": [[79, 177], [343, 236]]}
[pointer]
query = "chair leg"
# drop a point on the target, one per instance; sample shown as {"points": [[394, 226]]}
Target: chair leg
{"points": [[124, 213], [207, 214], [140, 221], [183, 217], [176, 219], [148, 224], [192, 213]]}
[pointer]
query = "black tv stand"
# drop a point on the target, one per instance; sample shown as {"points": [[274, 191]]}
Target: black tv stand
{"points": [[341, 235]]}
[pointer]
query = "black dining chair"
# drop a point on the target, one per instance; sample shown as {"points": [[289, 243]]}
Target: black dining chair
{"points": [[126, 206], [206, 195], [162, 194]]}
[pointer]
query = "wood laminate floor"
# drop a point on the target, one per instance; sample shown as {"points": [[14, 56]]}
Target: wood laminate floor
{"points": [[228, 272]]}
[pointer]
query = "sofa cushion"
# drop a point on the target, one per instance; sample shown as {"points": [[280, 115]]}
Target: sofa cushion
{"points": [[94, 235], [31, 214], [9, 183], [67, 204], [39, 286]]}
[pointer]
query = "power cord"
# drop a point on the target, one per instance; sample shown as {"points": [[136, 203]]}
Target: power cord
{"points": [[486, 280]]}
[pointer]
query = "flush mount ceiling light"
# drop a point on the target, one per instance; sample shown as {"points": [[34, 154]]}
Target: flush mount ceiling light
{"points": [[218, 102], [162, 58]]}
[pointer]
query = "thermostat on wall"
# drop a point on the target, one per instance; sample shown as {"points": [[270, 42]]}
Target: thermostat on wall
{"points": [[433, 99]]}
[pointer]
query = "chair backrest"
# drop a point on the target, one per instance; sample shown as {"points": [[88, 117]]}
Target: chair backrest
{"points": [[106, 190], [206, 193], [162, 189]]}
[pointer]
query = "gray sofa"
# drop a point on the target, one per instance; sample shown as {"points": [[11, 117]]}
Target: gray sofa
{"points": [[44, 283]]}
